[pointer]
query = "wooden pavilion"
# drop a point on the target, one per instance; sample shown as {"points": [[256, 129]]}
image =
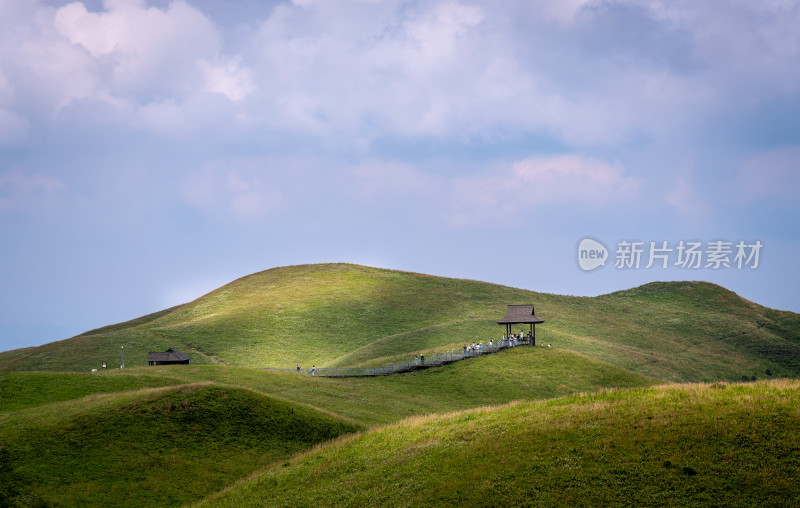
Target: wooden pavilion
{"points": [[521, 314], [169, 357]]}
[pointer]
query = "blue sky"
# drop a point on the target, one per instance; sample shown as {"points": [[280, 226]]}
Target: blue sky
{"points": [[151, 151]]}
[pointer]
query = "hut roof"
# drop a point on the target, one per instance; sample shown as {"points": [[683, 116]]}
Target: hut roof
{"points": [[170, 355], [520, 314]]}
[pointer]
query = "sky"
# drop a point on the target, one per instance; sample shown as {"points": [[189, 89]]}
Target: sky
{"points": [[154, 150]]}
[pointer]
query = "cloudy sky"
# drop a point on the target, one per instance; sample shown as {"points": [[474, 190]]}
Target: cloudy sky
{"points": [[153, 150]]}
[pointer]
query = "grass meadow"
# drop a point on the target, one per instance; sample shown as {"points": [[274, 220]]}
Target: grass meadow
{"points": [[679, 445], [669, 394]]}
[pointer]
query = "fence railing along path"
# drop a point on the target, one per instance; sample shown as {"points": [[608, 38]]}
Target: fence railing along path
{"points": [[421, 362]]}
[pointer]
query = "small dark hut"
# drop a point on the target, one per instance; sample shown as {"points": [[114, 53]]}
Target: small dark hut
{"points": [[521, 314], [169, 357]]}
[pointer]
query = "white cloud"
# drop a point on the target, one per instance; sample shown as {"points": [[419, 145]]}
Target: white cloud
{"points": [[495, 192], [127, 56], [348, 68], [228, 77], [740, 49], [354, 71], [149, 52], [540, 181], [446, 69], [574, 178], [41, 71], [434, 38]]}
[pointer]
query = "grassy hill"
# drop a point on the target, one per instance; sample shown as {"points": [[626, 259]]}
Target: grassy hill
{"points": [[174, 435], [151, 447], [679, 445], [347, 315]]}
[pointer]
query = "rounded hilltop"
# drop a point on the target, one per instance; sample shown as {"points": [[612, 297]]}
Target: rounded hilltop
{"points": [[350, 315]]}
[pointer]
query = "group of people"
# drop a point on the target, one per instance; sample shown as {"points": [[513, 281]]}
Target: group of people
{"points": [[313, 369], [478, 348], [474, 349], [519, 337], [516, 339]]}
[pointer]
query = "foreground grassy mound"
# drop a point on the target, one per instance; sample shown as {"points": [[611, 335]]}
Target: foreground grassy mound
{"points": [[19, 390], [153, 447], [339, 314], [677, 445]]}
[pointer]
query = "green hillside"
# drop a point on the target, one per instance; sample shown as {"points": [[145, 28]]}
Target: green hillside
{"points": [[521, 373], [152, 447], [347, 315], [133, 437], [679, 445], [20, 390], [173, 435]]}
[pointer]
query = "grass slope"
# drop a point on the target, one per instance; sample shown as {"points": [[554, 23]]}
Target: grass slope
{"points": [[679, 445], [19, 390], [153, 447], [95, 438], [340, 314], [523, 373]]}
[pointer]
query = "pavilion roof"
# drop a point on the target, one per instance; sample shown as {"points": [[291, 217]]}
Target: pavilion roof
{"points": [[520, 314]]}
